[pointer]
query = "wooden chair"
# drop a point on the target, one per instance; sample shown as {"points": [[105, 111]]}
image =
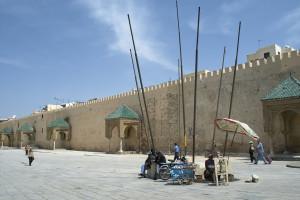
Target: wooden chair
{"points": [[221, 170]]}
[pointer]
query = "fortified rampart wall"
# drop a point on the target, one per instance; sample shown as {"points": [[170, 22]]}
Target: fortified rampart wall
{"points": [[253, 81]]}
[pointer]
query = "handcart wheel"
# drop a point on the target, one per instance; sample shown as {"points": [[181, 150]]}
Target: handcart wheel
{"points": [[164, 172]]}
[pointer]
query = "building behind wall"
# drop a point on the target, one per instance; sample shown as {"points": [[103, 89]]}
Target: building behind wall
{"points": [[254, 80]]}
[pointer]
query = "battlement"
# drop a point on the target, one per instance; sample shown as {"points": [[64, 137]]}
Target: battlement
{"points": [[188, 79], [202, 76]]}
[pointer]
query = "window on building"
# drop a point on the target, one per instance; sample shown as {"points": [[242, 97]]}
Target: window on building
{"points": [[42, 116], [266, 55]]}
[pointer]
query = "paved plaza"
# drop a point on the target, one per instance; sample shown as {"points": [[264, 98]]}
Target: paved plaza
{"points": [[63, 174]]}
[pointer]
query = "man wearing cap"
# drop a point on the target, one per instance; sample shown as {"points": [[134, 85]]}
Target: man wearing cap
{"points": [[251, 151]]}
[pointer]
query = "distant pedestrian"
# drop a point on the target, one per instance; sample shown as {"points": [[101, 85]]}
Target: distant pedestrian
{"points": [[26, 149], [30, 156], [251, 151], [176, 152], [260, 152]]}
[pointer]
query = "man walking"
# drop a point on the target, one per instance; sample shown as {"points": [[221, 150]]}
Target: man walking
{"points": [[176, 152], [251, 151], [30, 156], [260, 152]]}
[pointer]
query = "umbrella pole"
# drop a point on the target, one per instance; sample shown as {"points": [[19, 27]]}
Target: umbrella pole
{"points": [[181, 73], [234, 135], [218, 101], [233, 83]]}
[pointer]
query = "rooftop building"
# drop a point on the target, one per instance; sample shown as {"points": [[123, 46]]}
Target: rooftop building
{"points": [[269, 51]]}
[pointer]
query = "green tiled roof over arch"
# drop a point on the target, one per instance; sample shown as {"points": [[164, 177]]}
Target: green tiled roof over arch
{"points": [[123, 111], [7, 130], [289, 88], [59, 123], [26, 128]]}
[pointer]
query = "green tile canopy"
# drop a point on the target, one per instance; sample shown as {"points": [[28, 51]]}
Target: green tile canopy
{"points": [[26, 128], [123, 111], [289, 88], [59, 123], [7, 130]]}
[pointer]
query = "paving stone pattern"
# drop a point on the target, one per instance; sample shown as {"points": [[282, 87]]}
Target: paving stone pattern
{"points": [[72, 175]]}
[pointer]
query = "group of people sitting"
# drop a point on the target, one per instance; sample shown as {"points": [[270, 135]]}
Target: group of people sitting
{"points": [[158, 158]]}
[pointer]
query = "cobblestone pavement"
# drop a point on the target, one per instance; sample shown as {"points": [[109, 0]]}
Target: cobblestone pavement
{"points": [[75, 175]]}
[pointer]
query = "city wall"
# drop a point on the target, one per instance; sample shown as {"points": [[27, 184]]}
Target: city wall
{"points": [[253, 81]]}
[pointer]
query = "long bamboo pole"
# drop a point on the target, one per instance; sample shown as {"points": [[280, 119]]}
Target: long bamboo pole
{"points": [[218, 101], [182, 83], [139, 97], [141, 84], [179, 101], [233, 83], [195, 87]]}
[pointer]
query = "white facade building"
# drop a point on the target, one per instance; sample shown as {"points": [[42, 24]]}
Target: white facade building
{"points": [[268, 51]]}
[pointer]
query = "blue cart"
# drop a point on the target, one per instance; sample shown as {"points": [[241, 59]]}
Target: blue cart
{"points": [[177, 173]]}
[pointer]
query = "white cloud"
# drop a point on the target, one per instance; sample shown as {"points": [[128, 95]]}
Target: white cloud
{"points": [[11, 63], [224, 22], [193, 24], [289, 24], [233, 6], [114, 15]]}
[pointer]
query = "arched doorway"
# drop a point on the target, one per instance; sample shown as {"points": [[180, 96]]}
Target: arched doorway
{"points": [[281, 110], [121, 130], [27, 138], [59, 133], [130, 139], [291, 130], [60, 139], [4, 140], [114, 140]]}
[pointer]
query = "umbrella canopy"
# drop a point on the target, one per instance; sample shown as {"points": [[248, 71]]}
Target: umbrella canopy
{"points": [[235, 126]]}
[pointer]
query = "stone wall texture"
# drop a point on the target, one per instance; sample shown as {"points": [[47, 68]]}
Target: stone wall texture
{"points": [[253, 81]]}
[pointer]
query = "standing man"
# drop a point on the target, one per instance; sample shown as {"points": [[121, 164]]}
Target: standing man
{"points": [[176, 152], [260, 152]]}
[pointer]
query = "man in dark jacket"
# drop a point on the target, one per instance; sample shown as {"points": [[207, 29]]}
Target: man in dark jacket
{"points": [[209, 168]]}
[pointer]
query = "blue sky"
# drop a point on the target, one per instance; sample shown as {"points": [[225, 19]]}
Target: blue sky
{"points": [[76, 50]]}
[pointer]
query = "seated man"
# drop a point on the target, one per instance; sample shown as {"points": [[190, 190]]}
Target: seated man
{"points": [[183, 159], [209, 168], [160, 158], [151, 157]]}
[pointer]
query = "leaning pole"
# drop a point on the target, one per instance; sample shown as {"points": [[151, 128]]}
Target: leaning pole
{"points": [[195, 87], [233, 83], [141, 84], [139, 97], [182, 83], [218, 102]]}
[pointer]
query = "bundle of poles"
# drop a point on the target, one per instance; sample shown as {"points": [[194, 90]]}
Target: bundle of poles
{"points": [[145, 121]]}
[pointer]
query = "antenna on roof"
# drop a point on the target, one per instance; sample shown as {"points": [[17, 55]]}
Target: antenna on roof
{"points": [[259, 41]]}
